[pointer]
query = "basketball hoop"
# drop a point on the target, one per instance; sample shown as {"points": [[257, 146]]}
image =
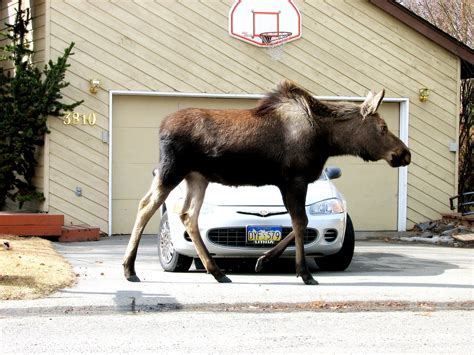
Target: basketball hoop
{"points": [[274, 42], [266, 24], [274, 38]]}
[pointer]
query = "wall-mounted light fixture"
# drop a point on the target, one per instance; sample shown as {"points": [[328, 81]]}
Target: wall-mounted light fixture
{"points": [[94, 85], [423, 94]]}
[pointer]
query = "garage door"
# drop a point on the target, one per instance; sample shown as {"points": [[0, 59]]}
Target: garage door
{"points": [[136, 121], [371, 188]]}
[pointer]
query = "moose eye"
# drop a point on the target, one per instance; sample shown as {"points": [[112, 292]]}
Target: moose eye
{"points": [[383, 129]]}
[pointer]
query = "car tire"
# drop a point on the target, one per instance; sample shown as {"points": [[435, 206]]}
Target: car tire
{"points": [[170, 259], [342, 259]]}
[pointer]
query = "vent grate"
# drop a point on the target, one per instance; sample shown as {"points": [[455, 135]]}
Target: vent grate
{"points": [[330, 235]]}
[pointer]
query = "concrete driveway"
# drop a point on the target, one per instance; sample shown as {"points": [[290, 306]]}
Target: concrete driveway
{"points": [[382, 275]]}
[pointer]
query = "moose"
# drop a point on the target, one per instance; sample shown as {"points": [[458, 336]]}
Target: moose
{"points": [[285, 141]]}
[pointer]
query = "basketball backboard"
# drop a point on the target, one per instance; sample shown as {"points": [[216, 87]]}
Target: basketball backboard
{"points": [[265, 23]]}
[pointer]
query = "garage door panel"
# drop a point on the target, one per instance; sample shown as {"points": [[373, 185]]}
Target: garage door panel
{"points": [[371, 190], [390, 112], [142, 111], [355, 161], [136, 148], [131, 181], [217, 103], [136, 145], [124, 214]]}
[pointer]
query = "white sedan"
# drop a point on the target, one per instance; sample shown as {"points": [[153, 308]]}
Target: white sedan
{"points": [[244, 222]]}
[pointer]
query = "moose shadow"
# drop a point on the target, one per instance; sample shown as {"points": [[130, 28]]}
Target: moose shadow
{"points": [[363, 264], [389, 263]]}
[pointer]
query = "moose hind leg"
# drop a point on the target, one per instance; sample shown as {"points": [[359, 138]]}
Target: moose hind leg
{"points": [[275, 252], [196, 188], [148, 205]]}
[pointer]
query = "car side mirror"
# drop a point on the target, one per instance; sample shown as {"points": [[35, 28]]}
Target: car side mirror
{"points": [[333, 172]]}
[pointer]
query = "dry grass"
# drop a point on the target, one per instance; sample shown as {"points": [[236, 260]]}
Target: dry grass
{"points": [[32, 268]]}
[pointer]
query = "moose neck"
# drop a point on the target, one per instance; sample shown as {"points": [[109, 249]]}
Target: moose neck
{"points": [[342, 130]]}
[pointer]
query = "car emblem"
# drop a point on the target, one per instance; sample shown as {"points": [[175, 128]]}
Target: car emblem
{"points": [[263, 213]]}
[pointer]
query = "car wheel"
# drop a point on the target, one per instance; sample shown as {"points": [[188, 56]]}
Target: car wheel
{"points": [[170, 259], [342, 259]]}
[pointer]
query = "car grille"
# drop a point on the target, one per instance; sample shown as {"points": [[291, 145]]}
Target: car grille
{"points": [[236, 237]]}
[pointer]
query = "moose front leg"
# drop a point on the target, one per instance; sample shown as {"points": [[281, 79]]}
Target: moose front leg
{"points": [[295, 199], [301, 266]]}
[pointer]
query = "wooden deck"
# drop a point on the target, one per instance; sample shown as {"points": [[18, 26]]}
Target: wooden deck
{"points": [[79, 233], [45, 225]]}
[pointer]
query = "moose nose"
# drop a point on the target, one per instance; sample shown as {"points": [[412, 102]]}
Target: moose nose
{"points": [[401, 158], [406, 157]]}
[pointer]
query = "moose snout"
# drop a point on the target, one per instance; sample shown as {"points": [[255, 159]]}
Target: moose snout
{"points": [[400, 157]]}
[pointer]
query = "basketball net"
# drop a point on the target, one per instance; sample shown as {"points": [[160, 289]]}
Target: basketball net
{"points": [[274, 42], [275, 51]]}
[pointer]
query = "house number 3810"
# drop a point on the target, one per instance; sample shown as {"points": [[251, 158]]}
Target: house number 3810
{"points": [[76, 118]]}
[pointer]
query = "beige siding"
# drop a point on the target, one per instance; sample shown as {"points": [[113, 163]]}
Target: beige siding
{"points": [[7, 12], [37, 33], [38, 12], [347, 48]]}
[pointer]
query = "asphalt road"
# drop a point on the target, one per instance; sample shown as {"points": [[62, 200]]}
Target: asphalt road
{"points": [[241, 333]]}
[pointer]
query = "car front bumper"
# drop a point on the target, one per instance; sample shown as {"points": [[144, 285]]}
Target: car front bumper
{"points": [[228, 218]]}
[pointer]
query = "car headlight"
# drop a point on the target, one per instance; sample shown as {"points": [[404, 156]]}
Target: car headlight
{"points": [[331, 206]]}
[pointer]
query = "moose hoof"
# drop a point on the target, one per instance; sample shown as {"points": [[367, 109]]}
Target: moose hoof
{"points": [[133, 278], [260, 262], [223, 279], [311, 282], [308, 279]]}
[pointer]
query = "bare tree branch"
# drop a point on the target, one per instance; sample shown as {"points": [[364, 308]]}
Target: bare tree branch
{"points": [[455, 17]]}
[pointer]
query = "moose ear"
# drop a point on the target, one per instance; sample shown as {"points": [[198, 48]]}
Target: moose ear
{"points": [[371, 103], [378, 100]]}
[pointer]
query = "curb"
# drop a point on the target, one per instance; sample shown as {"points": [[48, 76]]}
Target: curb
{"points": [[316, 306]]}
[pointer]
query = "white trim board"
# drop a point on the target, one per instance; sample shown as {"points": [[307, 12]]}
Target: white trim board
{"points": [[404, 119]]}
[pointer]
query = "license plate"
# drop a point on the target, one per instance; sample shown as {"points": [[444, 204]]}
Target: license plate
{"points": [[264, 234]]}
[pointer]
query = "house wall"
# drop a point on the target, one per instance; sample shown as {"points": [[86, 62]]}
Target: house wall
{"points": [[347, 48]]}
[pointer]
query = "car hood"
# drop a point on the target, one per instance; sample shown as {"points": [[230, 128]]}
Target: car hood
{"points": [[220, 195]]}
